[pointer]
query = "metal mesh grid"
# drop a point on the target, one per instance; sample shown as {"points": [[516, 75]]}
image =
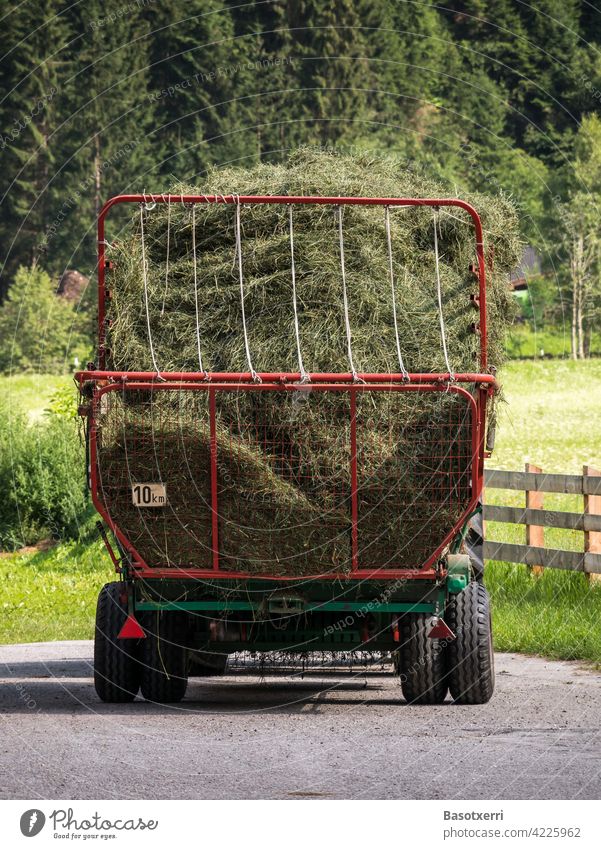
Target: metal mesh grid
{"points": [[140, 441], [285, 519], [413, 481], [283, 474]]}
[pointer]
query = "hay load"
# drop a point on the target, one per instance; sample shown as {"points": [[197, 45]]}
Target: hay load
{"points": [[284, 473]]}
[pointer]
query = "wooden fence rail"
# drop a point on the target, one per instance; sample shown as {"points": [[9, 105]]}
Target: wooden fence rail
{"points": [[534, 482]]}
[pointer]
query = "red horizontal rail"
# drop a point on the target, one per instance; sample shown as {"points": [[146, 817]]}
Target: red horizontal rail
{"points": [[281, 377], [319, 200]]}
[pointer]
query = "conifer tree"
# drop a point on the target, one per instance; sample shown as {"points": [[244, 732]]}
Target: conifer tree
{"points": [[193, 65], [35, 64], [333, 73], [111, 117]]}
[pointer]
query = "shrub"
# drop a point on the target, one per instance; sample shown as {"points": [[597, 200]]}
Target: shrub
{"points": [[39, 331], [41, 478]]}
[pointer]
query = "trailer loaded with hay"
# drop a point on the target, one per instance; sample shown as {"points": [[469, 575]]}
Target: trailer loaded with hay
{"points": [[287, 423]]}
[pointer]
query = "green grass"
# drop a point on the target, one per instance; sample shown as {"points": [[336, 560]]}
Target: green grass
{"points": [[525, 343], [550, 418], [32, 392], [51, 595], [556, 615], [551, 415]]}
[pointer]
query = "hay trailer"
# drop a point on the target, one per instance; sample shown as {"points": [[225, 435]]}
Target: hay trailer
{"points": [[174, 615]]}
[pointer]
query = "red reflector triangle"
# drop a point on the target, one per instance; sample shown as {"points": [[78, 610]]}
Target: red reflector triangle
{"points": [[441, 631], [131, 630]]}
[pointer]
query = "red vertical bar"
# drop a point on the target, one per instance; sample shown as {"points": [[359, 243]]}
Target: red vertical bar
{"points": [[479, 438], [101, 292], [481, 292], [215, 514], [354, 508]]}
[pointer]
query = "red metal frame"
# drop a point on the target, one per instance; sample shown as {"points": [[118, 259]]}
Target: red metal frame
{"points": [[293, 199], [424, 571], [111, 381]]}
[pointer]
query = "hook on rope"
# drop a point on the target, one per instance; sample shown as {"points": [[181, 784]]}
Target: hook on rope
{"points": [[148, 206]]}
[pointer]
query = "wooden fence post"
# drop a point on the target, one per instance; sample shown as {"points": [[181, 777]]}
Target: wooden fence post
{"points": [[535, 534], [592, 507]]}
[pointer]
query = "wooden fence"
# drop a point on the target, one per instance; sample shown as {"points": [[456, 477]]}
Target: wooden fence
{"points": [[533, 482]]}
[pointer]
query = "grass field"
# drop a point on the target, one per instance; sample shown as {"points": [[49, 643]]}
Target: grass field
{"points": [[32, 392], [550, 417], [525, 343], [51, 595]]}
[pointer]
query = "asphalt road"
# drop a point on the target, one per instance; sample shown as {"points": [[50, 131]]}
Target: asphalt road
{"points": [[334, 734]]}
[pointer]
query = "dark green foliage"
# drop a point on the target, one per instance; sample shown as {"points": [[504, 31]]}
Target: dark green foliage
{"points": [[111, 118], [333, 72], [39, 331], [35, 69], [193, 65], [41, 478], [102, 97], [534, 53]]}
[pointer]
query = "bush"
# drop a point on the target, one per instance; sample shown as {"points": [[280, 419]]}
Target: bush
{"points": [[39, 331], [42, 479]]}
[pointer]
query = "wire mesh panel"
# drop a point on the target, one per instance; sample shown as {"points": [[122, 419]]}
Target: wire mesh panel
{"points": [[157, 439], [284, 482], [297, 482], [414, 475]]}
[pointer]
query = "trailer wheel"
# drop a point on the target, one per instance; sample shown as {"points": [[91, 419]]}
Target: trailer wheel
{"points": [[421, 662], [164, 658], [116, 666], [474, 545], [470, 654]]}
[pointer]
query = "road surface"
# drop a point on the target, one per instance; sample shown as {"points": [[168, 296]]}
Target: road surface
{"points": [[330, 734]]}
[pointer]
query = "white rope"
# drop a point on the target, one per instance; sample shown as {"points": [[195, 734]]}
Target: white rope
{"points": [[167, 259], [404, 371], [148, 206], [253, 373], [303, 374], [347, 323], [145, 282], [196, 289], [439, 294]]}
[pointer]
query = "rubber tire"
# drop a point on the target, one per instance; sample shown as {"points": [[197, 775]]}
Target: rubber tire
{"points": [[117, 670], [471, 660], [474, 546], [164, 657], [421, 661]]}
